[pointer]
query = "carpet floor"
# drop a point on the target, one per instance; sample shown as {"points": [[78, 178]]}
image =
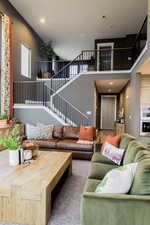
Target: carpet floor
{"points": [[66, 209]]}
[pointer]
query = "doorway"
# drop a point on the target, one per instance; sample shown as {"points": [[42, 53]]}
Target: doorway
{"points": [[108, 112], [105, 56]]}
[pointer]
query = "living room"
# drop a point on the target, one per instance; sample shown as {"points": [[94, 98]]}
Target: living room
{"points": [[74, 112]]}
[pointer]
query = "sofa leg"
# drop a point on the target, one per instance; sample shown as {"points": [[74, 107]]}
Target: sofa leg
{"points": [[70, 170]]}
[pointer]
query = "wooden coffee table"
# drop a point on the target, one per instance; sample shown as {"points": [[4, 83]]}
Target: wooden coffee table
{"points": [[25, 190]]}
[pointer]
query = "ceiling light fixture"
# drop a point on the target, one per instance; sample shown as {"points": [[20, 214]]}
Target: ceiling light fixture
{"points": [[109, 90], [42, 20], [111, 83]]}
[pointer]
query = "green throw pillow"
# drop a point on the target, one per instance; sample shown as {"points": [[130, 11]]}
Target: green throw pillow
{"points": [[141, 183]]}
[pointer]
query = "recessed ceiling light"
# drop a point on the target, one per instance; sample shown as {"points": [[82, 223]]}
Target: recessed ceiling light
{"points": [[42, 20], [111, 83]]}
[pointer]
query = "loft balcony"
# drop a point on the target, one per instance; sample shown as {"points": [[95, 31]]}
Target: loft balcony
{"points": [[106, 57]]}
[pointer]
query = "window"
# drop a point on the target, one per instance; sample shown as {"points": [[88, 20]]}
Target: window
{"points": [[25, 61]]}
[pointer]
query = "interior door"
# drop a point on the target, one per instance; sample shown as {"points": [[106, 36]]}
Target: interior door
{"points": [[108, 112], [105, 56]]}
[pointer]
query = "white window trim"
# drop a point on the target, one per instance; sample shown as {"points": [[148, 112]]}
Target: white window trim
{"points": [[111, 44], [30, 62]]}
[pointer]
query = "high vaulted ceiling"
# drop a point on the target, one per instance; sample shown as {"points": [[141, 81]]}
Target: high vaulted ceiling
{"points": [[73, 25]]}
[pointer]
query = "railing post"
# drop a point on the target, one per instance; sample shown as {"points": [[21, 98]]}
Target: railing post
{"points": [[43, 94]]}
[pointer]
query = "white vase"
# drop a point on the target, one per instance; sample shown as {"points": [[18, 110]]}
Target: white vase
{"points": [[13, 157]]}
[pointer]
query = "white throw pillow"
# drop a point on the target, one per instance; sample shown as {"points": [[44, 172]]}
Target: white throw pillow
{"points": [[46, 131], [113, 153], [32, 132], [40, 131], [118, 181], [84, 142]]}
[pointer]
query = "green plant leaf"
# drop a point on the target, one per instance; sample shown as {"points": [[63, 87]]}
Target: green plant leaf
{"points": [[13, 140]]}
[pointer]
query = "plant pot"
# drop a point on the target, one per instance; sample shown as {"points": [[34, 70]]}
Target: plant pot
{"points": [[13, 157]]}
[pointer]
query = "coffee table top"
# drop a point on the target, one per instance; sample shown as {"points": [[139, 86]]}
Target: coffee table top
{"points": [[28, 180]]}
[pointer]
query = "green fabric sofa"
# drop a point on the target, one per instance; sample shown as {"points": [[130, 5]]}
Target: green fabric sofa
{"points": [[118, 209]]}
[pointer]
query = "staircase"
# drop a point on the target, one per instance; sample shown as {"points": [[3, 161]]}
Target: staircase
{"points": [[73, 69], [39, 94], [46, 93]]}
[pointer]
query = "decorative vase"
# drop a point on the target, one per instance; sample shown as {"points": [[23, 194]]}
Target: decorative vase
{"points": [[13, 157]]}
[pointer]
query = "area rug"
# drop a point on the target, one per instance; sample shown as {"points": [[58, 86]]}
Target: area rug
{"points": [[66, 209]]}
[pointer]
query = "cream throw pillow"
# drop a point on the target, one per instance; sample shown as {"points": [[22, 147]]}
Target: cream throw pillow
{"points": [[118, 181], [40, 131], [83, 142]]}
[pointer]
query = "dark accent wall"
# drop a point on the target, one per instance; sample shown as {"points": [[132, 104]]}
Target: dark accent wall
{"points": [[22, 33], [121, 57]]}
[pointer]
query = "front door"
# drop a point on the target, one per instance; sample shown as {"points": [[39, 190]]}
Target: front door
{"points": [[108, 112]]}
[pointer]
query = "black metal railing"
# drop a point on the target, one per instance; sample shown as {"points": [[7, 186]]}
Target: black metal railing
{"points": [[93, 60], [104, 59], [140, 40], [39, 93]]}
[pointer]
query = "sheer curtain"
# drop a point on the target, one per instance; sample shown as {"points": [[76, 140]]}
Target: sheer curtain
{"points": [[6, 66]]}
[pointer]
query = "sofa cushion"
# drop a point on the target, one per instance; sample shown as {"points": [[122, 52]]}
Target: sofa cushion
{"points": [[99, 158], [141, 155], [125, 140], [133, 148], [73, 145], [58, 132], [98, 170], [141, 183], [51, 144], [91, 185], [70, 132]]}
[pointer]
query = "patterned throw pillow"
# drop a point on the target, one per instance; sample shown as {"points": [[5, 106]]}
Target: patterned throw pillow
{"points": [[39, 132], [46, 131], [113, 140], [118, 180], [113, 153]]}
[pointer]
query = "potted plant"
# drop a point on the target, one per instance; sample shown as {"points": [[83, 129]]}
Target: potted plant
{"points": [[3, 120], [13, 143], [46, 51]]}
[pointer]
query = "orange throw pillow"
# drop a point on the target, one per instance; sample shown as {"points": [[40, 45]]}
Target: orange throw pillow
{"points": [[113, 140], [87, 133]]}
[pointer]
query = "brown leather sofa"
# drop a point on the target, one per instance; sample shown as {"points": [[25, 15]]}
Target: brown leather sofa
{"points": [[65, 139]]}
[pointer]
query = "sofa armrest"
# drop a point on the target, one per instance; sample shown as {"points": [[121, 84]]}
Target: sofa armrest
{"points": [[112, 197], [97, 146], [116, 209], [23, 138]]}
